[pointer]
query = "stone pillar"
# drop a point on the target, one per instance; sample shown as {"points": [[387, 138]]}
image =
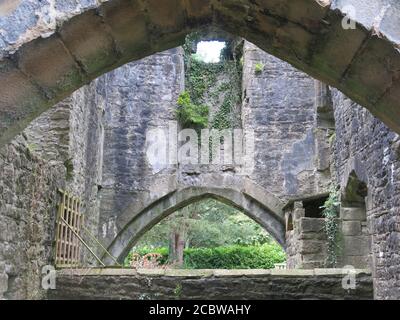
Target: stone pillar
{"points": [[306, 243], [356, 242]]}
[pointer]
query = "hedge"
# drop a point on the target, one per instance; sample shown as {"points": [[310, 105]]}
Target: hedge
{"points": [[229, 257]]}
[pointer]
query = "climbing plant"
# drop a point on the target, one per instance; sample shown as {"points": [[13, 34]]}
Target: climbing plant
{"points": [[216, 85], [330, 212], [191, 115]]}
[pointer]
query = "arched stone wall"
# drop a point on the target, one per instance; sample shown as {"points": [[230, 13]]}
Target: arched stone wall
{"points": [[356, 232], [260, 209], [362, 62]]}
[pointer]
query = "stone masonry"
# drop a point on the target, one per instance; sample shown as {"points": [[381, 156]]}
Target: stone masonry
{"points": [[51, 48], [85, 143], [306, 243], [60, 150], [325, 284]]}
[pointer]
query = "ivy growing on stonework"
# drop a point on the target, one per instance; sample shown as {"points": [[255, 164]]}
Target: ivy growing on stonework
{"points": [[210, 84], [330, 213], [191, 115]]}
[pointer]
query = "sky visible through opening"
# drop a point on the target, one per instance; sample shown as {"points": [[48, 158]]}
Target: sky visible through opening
{"points": [[210, 51]]}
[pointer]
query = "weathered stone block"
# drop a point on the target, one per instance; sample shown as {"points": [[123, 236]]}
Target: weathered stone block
{"points": [[316, 258], [356, 245], [335, 49], [88, 39], [304, 12], [20, 100], [352, 213], [387, 107], [311, 225], [50, 64], [165, 16], [370, 75], [128, 27], [351, 228], [311, 246], [357, 261], [298, 213]]}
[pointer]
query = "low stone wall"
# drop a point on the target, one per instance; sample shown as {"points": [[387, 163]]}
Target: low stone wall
{"points": [[128, 284]]}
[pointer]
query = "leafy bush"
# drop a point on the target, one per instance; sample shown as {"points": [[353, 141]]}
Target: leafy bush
{"points": [[229, 257], [191, 115], [234, 257]]}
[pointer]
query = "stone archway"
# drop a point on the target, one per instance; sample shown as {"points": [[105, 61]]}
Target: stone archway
{"points": [[271, 219], [363, 62], [355, 231]]}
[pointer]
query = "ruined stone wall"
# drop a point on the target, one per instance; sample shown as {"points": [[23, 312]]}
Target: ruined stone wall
{"points": [[59, 150], [28, 197], [279, 104], [126, 284], [367, 148], [140, 96], [306, 240]]}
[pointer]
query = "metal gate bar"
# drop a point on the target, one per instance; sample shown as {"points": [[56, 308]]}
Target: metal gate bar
{"points": [[69, 227], [69, 223]]}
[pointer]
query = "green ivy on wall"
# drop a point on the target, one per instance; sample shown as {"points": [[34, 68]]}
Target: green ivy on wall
{"points": [[191, 115], [330, 212], [216, 85]]}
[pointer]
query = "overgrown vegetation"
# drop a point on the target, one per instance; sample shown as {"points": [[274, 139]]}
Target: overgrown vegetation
{"points": [[210, 230], [216, 85], [330, 212], [229, 257], [191, 115]]}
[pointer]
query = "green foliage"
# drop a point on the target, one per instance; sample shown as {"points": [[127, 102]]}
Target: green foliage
{"points": [[214, 84], [230, 257], [201, 77], [178, 291], [259, 68], [191, 115], [234, 257], [223, 118], [330, 212], [209, 223], [217, 236]]}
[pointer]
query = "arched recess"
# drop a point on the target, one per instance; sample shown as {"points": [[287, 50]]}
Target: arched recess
{"points": [[361, 62], [273, 222], [356, 234]]}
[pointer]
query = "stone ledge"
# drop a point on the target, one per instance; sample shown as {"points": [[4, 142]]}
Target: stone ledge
{"points": [[203, 273]]}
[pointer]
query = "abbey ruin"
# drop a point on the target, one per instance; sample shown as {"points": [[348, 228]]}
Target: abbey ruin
{"points": [[84, 82]]}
